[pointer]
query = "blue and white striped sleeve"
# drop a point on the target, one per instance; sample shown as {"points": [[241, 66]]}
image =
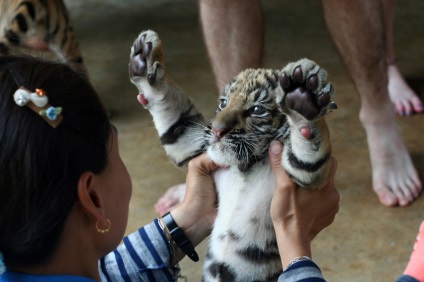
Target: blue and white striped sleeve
{"points": [[143, 256], [304, 270]]}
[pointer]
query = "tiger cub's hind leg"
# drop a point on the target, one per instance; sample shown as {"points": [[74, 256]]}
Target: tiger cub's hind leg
{"points": [[308, 98]]}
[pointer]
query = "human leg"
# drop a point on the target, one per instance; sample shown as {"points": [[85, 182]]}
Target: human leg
{"points": [[233, 34], [357, 29], [404, 99]]}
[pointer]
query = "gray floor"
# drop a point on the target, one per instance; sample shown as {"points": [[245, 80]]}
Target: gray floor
{"points": [[367, 242]]}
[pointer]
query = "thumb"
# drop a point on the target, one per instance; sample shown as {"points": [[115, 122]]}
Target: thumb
{"points": [[275, 152], [275, 155], [202, 165]]}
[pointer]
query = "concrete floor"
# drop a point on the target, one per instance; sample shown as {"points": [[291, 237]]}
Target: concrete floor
{"points": [[367, 242]]}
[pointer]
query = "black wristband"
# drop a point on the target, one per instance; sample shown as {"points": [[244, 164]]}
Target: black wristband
{"points": [[179, 237]]}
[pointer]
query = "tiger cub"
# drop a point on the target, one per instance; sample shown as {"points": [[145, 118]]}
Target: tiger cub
{"points": [[257, 107], [38, 28]]}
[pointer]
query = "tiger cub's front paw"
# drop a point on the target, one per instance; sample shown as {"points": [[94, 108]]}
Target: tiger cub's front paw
{"points": [[306, 89], [146, 59]]}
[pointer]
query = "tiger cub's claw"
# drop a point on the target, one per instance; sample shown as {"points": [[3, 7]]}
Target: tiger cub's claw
{"points": [[146, 59]]}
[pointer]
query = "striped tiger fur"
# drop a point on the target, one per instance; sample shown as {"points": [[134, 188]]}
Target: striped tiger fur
{"points": [[257, 107], [38, 28]]}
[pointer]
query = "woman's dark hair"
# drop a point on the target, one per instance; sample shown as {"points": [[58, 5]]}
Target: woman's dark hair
{"points": [[40, 165]]}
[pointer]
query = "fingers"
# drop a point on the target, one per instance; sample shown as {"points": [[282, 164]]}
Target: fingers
{"points": [[202, 164], [275, 150], [275, 154]]}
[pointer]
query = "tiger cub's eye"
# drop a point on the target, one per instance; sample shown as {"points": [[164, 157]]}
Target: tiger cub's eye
{"points": [[258, 111], [222, 103]]}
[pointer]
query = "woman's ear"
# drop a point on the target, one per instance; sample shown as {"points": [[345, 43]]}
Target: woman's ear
{"points": [[90, 197]]}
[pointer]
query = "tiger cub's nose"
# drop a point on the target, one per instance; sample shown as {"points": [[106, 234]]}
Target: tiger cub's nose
{"points": [[219, 133]]}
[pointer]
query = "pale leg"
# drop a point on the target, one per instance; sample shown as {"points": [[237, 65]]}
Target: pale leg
{"points": [[404, 99], [357, 28], [233, 33]]}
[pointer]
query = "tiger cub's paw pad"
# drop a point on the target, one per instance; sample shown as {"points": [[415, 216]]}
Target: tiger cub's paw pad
{"points": [[306, 88], [146, 58]]}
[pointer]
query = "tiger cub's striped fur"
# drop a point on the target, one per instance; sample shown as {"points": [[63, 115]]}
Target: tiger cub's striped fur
{"points": [[38, 28], [258, 106]]}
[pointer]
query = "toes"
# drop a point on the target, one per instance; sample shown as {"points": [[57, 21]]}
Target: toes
{"points": [[306, 88], [324, 100], [139, 44], [415, 185], [386, 197], [137, 66], [312, 83], [143, 47], [298, 75], [147, 48], [284, 81], [399, 109], [403, 194], [141, 50], [418, 107], [407, 108], [151, 78]]}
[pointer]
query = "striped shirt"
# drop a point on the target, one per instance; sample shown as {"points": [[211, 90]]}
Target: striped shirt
{"points": [[145, 256]]}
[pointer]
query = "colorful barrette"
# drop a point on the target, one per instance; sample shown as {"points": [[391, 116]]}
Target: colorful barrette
{"points": [[39, 103]]}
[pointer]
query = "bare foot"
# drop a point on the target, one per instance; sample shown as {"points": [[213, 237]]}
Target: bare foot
{"points": [[395, 179], [170, 199], [404, 99]]}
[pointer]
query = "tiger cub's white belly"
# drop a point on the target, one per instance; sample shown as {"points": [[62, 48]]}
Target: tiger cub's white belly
{"points": [[244, 210]]}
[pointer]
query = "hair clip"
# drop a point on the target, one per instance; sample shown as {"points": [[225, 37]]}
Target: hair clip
{"points": [[39, 103]]}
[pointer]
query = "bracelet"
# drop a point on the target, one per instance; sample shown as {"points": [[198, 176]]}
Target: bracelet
{"points": [[297, 259], [176, 269], [179, 237]]}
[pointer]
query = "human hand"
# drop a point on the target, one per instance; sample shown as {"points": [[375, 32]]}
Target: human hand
{"points": [[299, 215], [196, 213]]}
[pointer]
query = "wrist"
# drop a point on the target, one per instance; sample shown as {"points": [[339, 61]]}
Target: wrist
{"points": [[195, 226], [291, 245], [178, 238]]}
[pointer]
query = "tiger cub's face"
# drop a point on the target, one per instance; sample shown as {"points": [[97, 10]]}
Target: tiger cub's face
{"points": [[247, 119]]}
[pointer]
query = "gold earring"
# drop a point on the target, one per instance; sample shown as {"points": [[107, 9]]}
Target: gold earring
{"points": [[103, 230]]}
